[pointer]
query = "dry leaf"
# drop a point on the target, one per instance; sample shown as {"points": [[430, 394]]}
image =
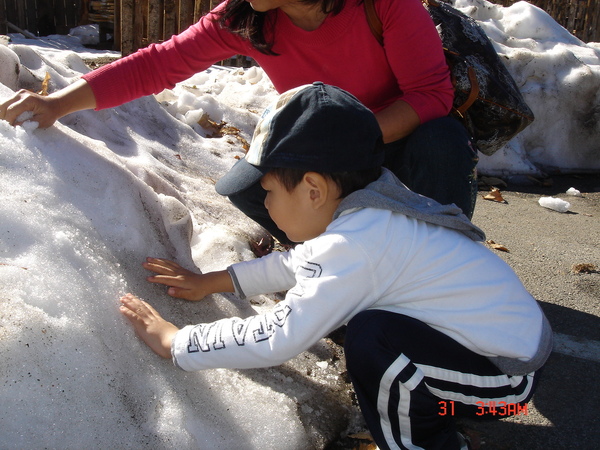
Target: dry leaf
{"points": [[495, 195], [245, 144], [584, 268], [369, 446], [495, 246], [221, 129], [362, 435], [210, 125], [45, 84], [235, 132], [229, 130], [367, 441]]}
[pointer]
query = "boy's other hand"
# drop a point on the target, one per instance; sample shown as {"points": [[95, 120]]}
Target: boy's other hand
{"points": [[155, 331], [182, 283]]}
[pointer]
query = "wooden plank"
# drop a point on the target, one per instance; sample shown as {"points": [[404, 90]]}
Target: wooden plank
{"points": [[580, 24], [10, 8], [3, 18], [117, 27], [72, 13], [593, 22], [581, 18], [60, 17], [127, 27], [197, 10], [139, 24], [170, 27], [155, 22], [31, 21], [20, 18], [206, 6], [46, 17], [186, 14], [84, 12]]}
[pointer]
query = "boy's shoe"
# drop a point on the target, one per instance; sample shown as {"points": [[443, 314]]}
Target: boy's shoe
{"points": [[464, 440]]}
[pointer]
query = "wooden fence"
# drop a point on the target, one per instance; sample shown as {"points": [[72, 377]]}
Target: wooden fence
{"points": [[137, 23], [41, 17], [146, 21], [143, 22]]}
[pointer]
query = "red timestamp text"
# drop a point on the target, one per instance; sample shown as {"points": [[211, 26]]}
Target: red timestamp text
{"points": [[490, 408]]}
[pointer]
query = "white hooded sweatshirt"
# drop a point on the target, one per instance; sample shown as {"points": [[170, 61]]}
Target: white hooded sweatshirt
{"points": [[390, 249]]}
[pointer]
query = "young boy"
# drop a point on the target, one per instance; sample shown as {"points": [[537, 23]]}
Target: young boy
{"points": [[438, 325]]}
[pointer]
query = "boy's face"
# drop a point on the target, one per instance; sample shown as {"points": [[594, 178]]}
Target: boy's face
{"points": [[294, 212], [285, 208]]}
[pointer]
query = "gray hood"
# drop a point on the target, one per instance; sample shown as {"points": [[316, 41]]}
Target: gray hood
{"points": [[391, 194]]}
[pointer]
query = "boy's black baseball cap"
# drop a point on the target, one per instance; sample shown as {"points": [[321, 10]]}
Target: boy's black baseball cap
{"points": [[315, 127]]}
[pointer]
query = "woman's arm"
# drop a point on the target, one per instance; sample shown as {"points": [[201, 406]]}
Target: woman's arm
{"points": [[145, 72], [161, 66], [397, 121], [415, 55]]}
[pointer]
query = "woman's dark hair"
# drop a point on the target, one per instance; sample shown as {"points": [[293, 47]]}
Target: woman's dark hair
{"points": [[239, 18], [347, 182]]}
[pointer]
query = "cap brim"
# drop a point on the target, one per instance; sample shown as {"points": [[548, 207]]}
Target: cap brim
{"points": [[239, 178]]}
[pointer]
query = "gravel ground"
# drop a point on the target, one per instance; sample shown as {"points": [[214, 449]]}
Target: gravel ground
{"points": [[557, 256]]}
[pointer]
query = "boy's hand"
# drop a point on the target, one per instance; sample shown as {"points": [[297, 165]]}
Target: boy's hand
{"points": [[186, 284], [155, 331], [182, 283]]}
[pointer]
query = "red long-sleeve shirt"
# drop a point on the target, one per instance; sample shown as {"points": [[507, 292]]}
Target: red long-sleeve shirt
{"points": [[341, 52]]}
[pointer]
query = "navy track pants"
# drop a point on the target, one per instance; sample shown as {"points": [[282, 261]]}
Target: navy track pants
{"points": [[412, 380]]}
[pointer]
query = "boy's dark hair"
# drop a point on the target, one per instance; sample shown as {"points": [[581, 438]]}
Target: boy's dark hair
{"points": [[239, 18], [347, 182]]}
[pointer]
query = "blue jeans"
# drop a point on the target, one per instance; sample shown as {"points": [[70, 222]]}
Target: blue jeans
{"points": [[436, 160]]}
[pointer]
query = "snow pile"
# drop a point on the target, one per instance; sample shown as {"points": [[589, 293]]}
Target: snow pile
{"points": [[84, 203], [87, 34], [559, 76]]}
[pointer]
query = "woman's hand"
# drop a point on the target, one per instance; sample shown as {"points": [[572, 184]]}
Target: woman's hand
{"points": [[48, 109], [184, 283], [24, 101], [155, 331]]}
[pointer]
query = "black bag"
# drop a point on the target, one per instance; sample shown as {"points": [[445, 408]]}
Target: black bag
{"points": [[486, 98]]}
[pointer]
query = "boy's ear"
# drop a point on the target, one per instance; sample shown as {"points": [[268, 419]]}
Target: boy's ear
{"points": [[316, 187]]}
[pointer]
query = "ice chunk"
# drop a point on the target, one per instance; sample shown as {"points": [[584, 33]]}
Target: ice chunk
{"points": [[556, 204]]}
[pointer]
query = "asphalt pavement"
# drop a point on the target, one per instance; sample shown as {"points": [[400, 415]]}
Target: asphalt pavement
{"points": [[557, 256]]}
